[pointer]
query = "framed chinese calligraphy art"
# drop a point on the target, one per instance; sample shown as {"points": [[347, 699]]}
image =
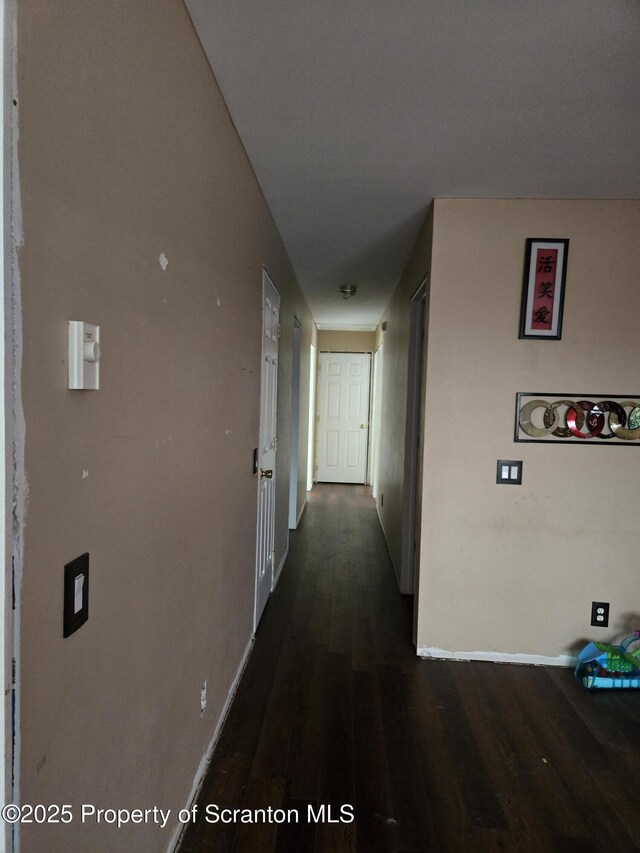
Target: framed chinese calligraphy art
{"points": [[545, 272], [595, 419]]}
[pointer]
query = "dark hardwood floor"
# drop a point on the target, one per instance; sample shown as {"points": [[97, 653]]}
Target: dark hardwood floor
{"points": [[334, 708]]}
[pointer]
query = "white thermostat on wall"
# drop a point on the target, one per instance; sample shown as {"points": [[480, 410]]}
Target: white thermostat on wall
{"points": [[84, 356]]}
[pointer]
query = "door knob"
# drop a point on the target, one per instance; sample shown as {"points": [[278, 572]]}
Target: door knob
{"points": [[363, 426], [266, 474]]}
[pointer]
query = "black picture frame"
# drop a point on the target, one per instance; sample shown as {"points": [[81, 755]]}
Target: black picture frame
{"points": [[543, 288]]}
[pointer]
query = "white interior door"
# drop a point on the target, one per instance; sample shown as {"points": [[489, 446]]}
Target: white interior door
{"points": [[265, 554], [343, 414]]}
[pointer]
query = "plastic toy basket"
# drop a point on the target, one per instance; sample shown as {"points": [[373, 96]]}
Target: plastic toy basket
{"points": [[602, 665]]}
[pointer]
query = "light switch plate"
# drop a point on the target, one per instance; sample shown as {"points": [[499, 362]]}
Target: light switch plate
{"points": [[509, 472], [76, 594]]}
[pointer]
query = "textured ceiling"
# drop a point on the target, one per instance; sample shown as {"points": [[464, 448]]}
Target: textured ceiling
{"points": [[357, 113]]}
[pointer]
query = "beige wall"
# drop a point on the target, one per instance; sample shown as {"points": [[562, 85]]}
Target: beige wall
{"points": [[514, 570], [343, 341], [394, 393], [127, 151]]}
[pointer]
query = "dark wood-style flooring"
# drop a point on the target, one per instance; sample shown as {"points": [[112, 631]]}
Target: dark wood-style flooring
{"points": [[335, 708]]}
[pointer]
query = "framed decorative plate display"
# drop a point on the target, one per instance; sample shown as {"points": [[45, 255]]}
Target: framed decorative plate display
{"points": [[601, 419]]}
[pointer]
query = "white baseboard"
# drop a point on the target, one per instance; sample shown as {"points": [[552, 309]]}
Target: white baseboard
{"points": [[276, 576], [496, 657], [201, 772]]}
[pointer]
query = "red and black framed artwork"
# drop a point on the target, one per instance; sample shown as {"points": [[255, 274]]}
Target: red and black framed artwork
{"points": [[545, 273]]}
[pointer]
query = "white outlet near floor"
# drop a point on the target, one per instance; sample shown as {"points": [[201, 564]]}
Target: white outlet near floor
{"points": [[203, 698]]}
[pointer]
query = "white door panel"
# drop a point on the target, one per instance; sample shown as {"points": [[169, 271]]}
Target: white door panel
{"points": [[267, 446], [343, 415]]}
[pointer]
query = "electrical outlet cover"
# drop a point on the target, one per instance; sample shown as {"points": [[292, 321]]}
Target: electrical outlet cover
{"points": [[600, 614]]}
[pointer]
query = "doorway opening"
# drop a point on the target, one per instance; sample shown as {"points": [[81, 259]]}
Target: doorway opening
{"points": [[413, 439]]}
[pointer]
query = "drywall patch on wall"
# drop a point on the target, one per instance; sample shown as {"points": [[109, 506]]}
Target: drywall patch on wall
{"points": [[13, 379], [163, 261], [496, 657]]}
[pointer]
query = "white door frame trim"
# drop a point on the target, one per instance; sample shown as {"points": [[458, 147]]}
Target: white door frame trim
{"points": [[375, 420], [311, 441], [296, 371]]}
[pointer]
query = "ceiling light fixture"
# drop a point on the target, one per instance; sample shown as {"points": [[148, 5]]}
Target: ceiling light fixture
{"points": [[348, 290]]}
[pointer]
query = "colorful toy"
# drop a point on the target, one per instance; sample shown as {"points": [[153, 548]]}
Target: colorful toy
{"points": [[602, 665]]}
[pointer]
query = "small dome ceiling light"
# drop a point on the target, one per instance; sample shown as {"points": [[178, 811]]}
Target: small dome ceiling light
{"points": [[348, 290]]}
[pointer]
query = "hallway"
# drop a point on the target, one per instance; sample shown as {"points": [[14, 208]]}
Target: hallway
{"points": [[334, 708]]}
